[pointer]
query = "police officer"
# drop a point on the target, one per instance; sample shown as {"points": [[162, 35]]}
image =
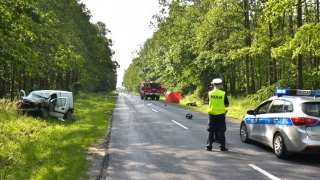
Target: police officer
{"points": [[218, 101]]}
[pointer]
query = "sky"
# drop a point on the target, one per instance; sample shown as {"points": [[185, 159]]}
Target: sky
{"points": [[129, 23]]}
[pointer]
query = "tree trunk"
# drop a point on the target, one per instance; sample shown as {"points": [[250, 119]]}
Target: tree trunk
{"points": [[232, 80], [253, 84], [299, 58], [316, 59], [248, 44], [25, 80], [67, 83], [271, 64], [12, 87], [59, 81], [3, 82]]}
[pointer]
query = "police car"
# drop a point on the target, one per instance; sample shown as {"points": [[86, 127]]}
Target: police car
{"points": [[288, 122]]}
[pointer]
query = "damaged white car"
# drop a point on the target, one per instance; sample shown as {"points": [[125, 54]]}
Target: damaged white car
{"points": [[44, 103]]}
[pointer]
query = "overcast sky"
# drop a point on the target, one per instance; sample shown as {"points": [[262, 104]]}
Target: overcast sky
{"points": [[128, 21]]}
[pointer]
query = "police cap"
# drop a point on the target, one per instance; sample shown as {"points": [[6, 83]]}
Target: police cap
{"points": [[216, 81]]}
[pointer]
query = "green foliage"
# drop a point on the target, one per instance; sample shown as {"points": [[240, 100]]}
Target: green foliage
{"points": [[238, 106], [268, 91], [306, 39], [252, 45], [52, 45], [275, 8], [35, 148], [132, 78], [262, 94]]}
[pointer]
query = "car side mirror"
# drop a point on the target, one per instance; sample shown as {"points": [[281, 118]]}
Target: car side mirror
{"points": [[251, 112]]}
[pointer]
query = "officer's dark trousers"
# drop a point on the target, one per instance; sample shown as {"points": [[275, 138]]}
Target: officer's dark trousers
{"points": [[216, 128]]}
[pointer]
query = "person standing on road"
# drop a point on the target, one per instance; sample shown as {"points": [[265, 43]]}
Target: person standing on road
{"points": [[218, 101]]}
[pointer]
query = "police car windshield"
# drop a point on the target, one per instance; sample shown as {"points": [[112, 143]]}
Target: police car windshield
{"points": [[311, 108]]}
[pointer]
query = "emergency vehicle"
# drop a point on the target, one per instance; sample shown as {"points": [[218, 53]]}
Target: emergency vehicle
{"points": [[151, 89], [288, 122]]}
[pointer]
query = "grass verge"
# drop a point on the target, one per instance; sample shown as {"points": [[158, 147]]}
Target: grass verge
{"points": [[35, 148], [237, 109]]}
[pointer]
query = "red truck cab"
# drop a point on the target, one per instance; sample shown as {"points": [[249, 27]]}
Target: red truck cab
{"points": [[151, 89]]}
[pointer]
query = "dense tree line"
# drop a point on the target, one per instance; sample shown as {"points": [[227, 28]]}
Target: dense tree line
{"points": [[250, 44], [49, 44]]}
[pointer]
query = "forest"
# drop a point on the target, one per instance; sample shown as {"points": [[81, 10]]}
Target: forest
{"points": [[252, 45], [51, 44]]}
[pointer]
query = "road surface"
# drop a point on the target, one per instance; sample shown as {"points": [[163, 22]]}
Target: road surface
{"points": [[150, 139]]}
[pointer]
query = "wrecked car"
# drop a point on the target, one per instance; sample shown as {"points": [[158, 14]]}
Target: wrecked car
{"points": [[45, 103]]}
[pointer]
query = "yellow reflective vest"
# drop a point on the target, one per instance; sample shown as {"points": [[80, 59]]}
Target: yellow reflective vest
{"points": [[216, 102]]}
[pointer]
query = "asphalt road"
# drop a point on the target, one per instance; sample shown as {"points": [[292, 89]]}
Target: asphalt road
{"points": [[153, 140]]}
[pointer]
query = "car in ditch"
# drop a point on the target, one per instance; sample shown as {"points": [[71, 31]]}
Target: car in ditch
{"points": [[288, 122], [45, 103]]}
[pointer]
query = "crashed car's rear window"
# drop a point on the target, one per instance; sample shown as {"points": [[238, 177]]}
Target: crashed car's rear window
{"points": [[311, 108]]}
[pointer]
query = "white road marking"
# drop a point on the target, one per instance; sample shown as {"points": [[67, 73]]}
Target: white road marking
{"points": [[263, 172], [179, 124], [121, 108], [138, 106], [154, 110]]}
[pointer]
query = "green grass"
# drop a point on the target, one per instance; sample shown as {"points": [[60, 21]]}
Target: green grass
{"points": [[35, 148], [237, 109]]}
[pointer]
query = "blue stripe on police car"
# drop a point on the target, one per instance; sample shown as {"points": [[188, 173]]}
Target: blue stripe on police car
{"points": [[275, 120]]}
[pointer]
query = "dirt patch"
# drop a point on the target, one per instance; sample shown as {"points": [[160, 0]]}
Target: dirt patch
{"points": [[98, 157]]}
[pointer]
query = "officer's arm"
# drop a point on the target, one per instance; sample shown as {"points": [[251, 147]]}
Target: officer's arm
{"points": [[226, 101], [207, 97]]}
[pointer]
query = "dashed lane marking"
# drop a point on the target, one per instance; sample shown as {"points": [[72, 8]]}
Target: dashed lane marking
{"points": [[179, 124], [263, 172]]}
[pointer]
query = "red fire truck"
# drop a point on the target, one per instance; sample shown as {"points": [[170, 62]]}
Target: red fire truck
{"points": [[151, 89]]}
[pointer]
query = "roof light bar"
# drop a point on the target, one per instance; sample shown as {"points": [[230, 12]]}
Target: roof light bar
{"points": [[296, 92]]}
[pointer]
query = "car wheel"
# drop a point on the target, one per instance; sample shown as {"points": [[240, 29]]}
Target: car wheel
{"points": [[279, 147], [244, 133], [68, 115], [44, 113]]}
